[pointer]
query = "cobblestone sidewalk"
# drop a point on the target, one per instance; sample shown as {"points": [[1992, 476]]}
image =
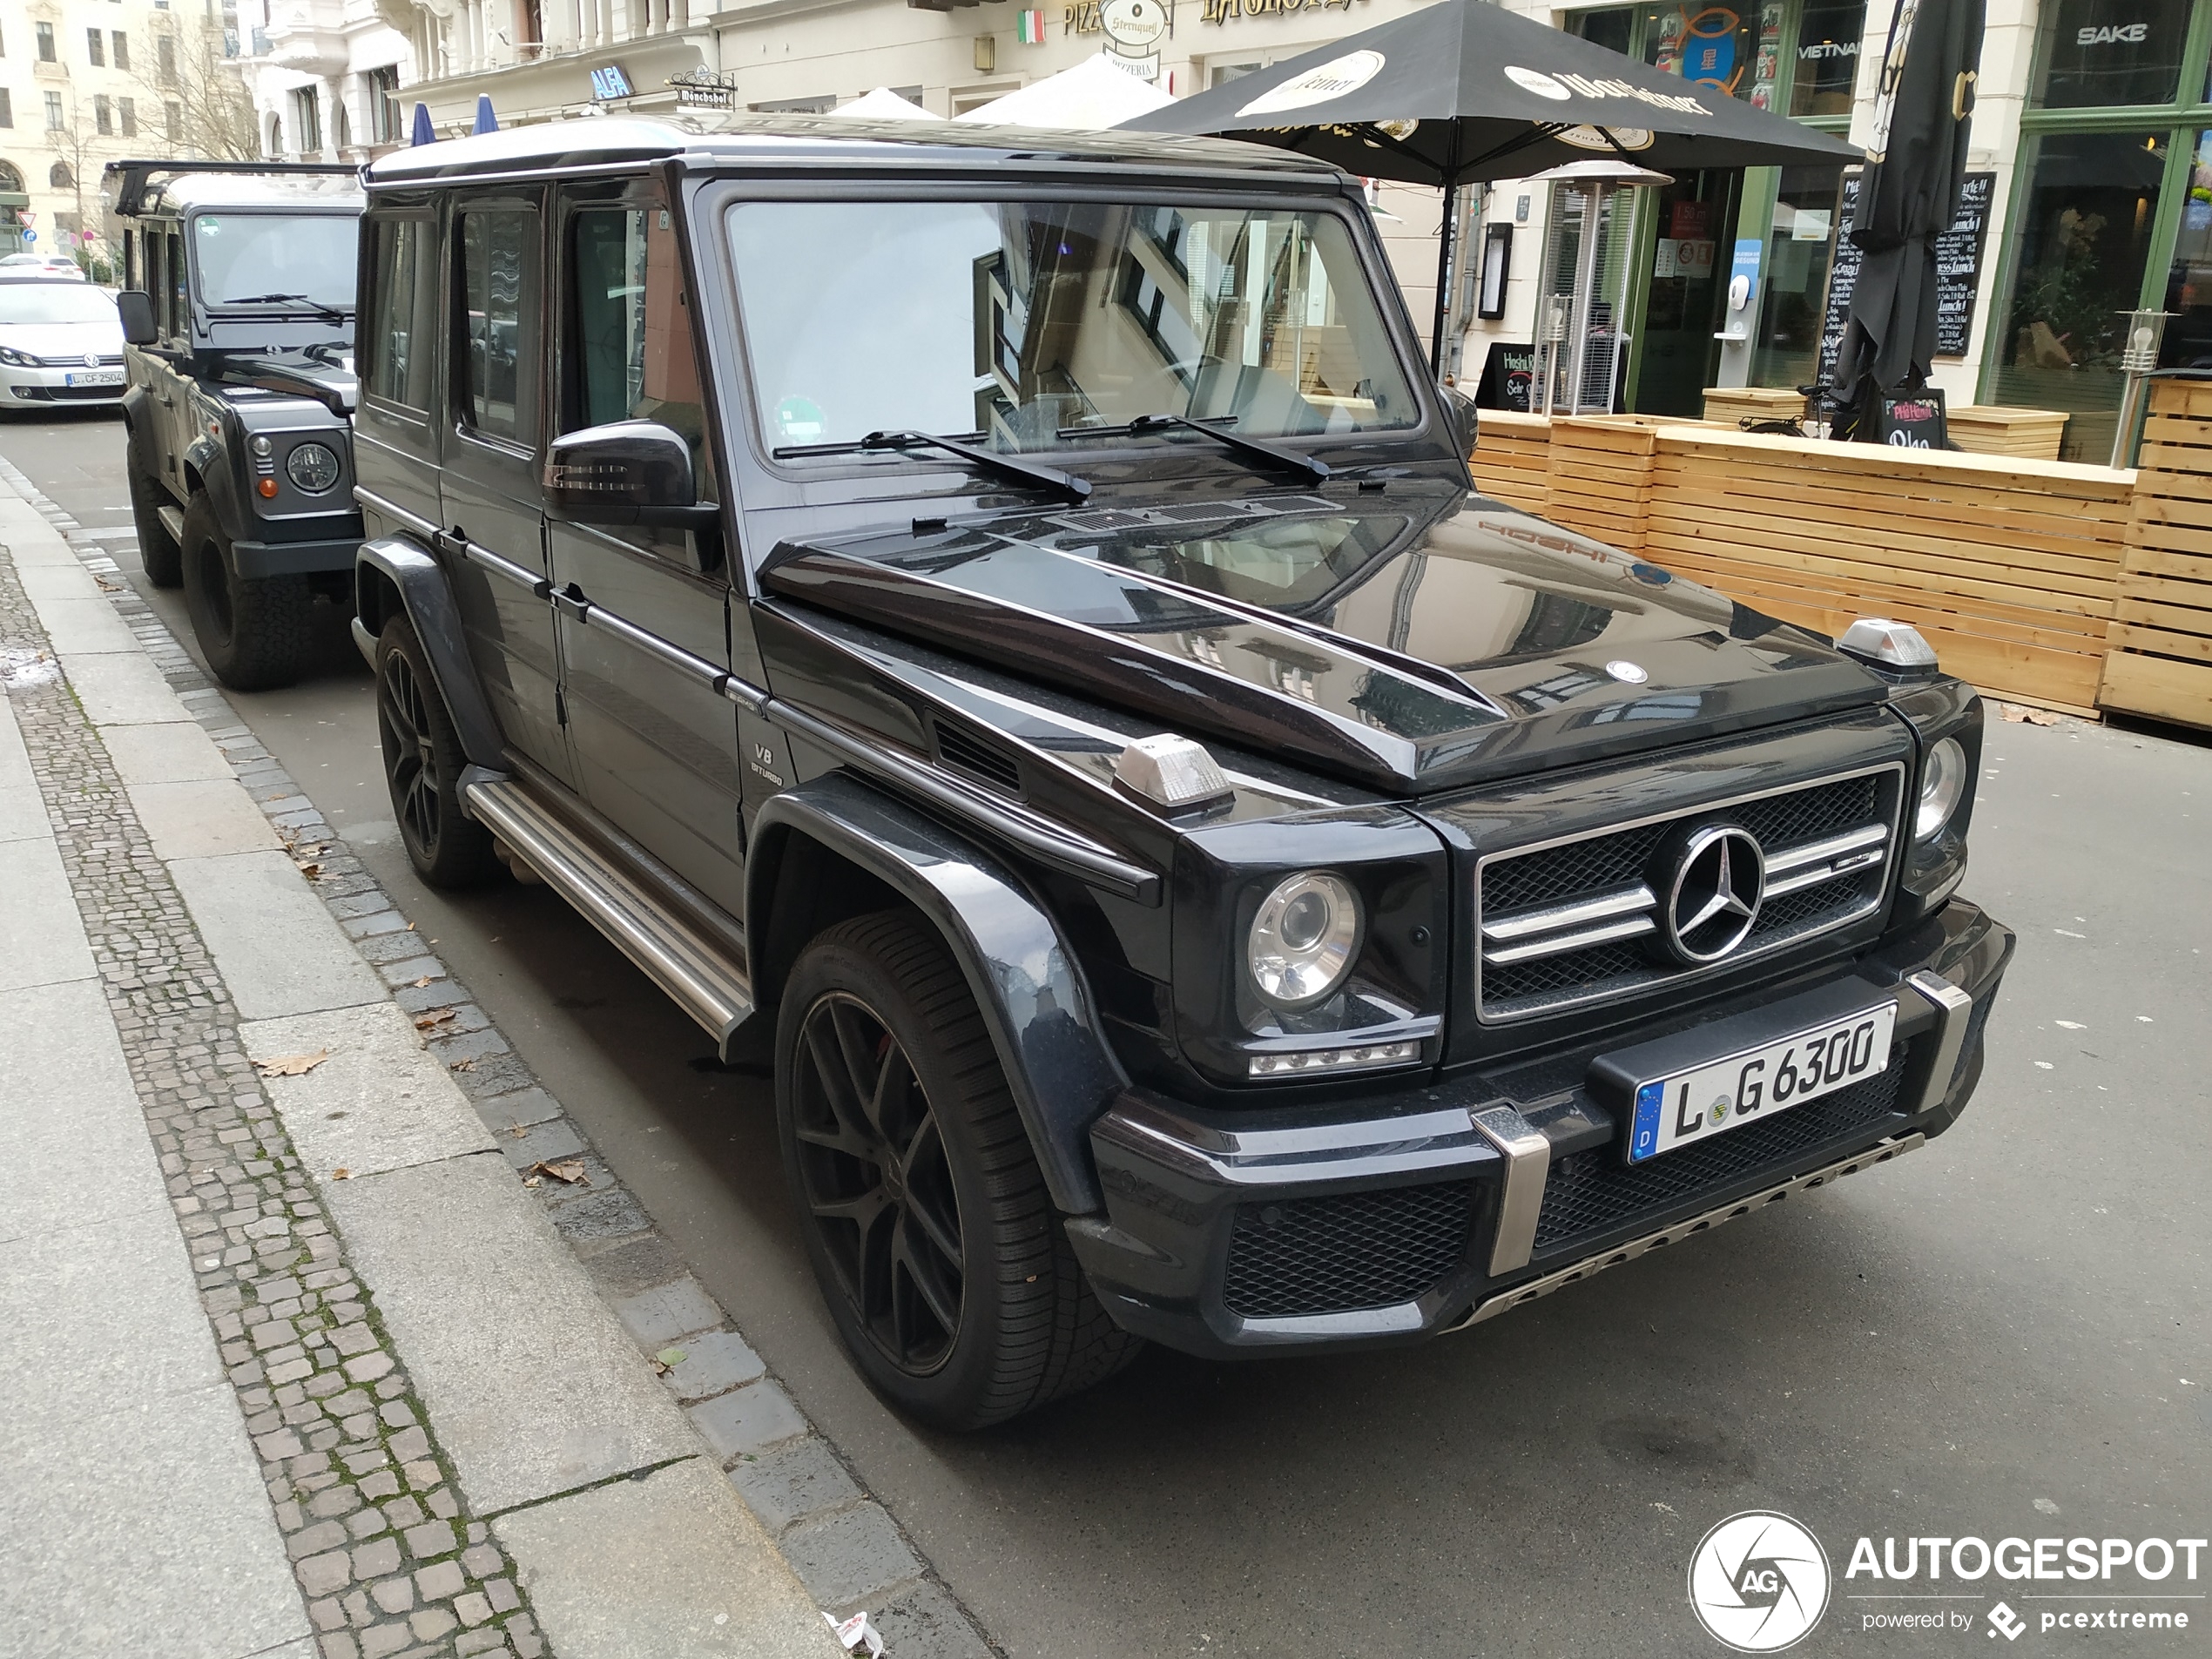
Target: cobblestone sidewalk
{"points": [[846, 1549], [378, 1537]]}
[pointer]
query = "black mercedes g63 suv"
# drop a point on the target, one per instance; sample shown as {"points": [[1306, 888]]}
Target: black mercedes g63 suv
{"points": [[237, 323], [1009, 610]]}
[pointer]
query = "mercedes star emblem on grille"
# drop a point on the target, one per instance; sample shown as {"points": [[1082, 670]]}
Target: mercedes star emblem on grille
{"points": [[1719, 878]]}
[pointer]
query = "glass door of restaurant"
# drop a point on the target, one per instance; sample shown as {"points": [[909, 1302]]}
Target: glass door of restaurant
{"points": [[1677, 358]]}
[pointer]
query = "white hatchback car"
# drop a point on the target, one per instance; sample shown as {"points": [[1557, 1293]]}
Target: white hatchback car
{"points": [[61, 342]]}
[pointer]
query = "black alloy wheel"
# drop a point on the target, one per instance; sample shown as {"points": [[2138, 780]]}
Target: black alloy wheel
{"points": [[877, 1185], [422, 766], [926, 1220]]}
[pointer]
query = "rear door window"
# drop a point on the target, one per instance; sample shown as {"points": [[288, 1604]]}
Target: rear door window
{"points": [[496, 279]]}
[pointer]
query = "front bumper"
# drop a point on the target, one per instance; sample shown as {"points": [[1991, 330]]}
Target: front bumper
{"points": [[1438, 1207], [22, 389], [258, 559]]}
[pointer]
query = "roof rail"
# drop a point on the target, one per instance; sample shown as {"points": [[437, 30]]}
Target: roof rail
{"points": [[135, 176]]}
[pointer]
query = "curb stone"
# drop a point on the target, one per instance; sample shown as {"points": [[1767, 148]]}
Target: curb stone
{"points": [[847, 1549]]}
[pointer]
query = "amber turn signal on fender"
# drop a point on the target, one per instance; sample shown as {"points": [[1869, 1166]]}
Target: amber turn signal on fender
{"points": [[268, 489]]}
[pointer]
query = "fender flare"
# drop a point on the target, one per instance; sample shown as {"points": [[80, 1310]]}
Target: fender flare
{"points": [[1027, 982], [138, 426], [427, 596], [211, 463]]}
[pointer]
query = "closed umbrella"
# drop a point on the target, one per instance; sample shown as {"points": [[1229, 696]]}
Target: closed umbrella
{"points": [[486, 121], [423, 133], [1908, 198], [1464, 90]]}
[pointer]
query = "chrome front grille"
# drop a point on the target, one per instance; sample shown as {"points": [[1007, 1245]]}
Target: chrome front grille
{"points": [[1577, 920]]}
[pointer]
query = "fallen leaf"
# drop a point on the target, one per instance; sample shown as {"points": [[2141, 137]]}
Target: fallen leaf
{"points": [[435, 1017], [571, 1171], [312, 871], [107, 586], [671, 1356], [516, 1129], [532, 1181], [341, 1174], [2019, 714], [462, 1065], [424, 981], [291, 1065]]}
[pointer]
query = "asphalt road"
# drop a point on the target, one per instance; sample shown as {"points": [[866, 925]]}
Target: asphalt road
{"points": [[2008, 1333]]}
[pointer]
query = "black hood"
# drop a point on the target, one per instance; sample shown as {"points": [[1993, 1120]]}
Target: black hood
{"points": [[1409, 648]]}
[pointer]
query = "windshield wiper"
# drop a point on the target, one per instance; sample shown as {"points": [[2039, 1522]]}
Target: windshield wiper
{"points": [[328, 314], [1307, 466], [1029, 472]]}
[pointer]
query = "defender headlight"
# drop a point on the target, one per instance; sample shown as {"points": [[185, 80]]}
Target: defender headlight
{"points": [[313, 466], [1304, 939], [1943, 783]]}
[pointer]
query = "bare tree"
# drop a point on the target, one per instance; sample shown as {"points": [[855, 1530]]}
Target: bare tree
{"points": [[195, 104]]}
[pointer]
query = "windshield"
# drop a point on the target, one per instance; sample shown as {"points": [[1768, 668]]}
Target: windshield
{"points": [[54, 302], [1018, 322], [275, 260]]}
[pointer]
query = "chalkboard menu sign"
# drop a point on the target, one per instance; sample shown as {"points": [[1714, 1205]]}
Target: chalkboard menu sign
{"points": [[1958, 252]]}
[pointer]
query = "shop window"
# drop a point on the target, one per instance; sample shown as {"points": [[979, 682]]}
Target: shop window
{"points": [[2188, 342], [1827, 66], [1611, 27], [2100, 52], [2082, 234], [1730, 50], [1801, 245]]}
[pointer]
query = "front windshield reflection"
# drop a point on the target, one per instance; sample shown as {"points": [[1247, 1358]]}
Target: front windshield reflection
{"points": [[1010, 321], [270, 260]]}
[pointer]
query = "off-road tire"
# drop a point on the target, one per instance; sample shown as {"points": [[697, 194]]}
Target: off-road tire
{"points": [[253, 632], [422, 764], [158, 550], [1029, 1329]]}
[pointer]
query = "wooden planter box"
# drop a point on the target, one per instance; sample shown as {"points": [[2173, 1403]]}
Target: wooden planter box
{"points": [[2160, 661], [2010, 567], [1985, 429], [1731, 404]]}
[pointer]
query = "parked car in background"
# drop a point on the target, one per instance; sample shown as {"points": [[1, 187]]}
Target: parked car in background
{"points": [[238, 306], [1012, 617], [59, 265], [61, 342]]}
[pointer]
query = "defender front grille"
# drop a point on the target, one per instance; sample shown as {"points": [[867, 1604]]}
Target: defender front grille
{"points": [[1595, 1192], [1300, 1256], [1578, 920]]}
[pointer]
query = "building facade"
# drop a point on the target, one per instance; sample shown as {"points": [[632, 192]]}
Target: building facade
{"points": [[86, 81], [2090, 190], [325, 76]]}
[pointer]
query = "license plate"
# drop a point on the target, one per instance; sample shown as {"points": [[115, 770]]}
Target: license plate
{"points": [[1756, 1083], [94, 377]]}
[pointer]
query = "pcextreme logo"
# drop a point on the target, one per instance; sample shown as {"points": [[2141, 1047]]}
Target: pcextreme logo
{"points": [[1758, 1582]]}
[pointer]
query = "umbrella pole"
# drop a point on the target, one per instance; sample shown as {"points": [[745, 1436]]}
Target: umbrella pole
{"points": [[1443, 279]]}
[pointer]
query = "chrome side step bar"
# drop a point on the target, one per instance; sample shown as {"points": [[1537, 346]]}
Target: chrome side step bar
{"points": [[696, 972], [1505, 1301], [172, 520]]}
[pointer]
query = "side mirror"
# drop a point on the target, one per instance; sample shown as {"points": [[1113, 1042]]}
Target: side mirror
{"points": [[627, 472], [136, 308], [1466, 418]]}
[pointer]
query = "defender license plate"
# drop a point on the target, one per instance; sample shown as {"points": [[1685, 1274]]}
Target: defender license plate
{"points": [[1756, 1083]]}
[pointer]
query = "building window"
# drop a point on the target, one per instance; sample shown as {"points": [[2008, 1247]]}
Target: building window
{"points": [[103, 115], [55, 120], [173, 121], [307, 120], [1827, 47], [46, 42], [7, 109], [164, 58], [60, 178], [119, 49], [2097, 53], [381, 87], [2082, 225], [126, 115], [95, 48]]}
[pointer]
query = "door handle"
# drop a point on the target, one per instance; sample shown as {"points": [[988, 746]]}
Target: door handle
{"points": [[572, 600]]}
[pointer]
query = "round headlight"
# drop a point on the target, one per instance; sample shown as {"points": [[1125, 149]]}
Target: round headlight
{"points": [[313, 466], [1304, 939], [1943, 783]]}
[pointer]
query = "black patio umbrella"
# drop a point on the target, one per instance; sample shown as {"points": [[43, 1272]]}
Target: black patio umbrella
{"points": [[1908, 198], [1464, 92]]}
